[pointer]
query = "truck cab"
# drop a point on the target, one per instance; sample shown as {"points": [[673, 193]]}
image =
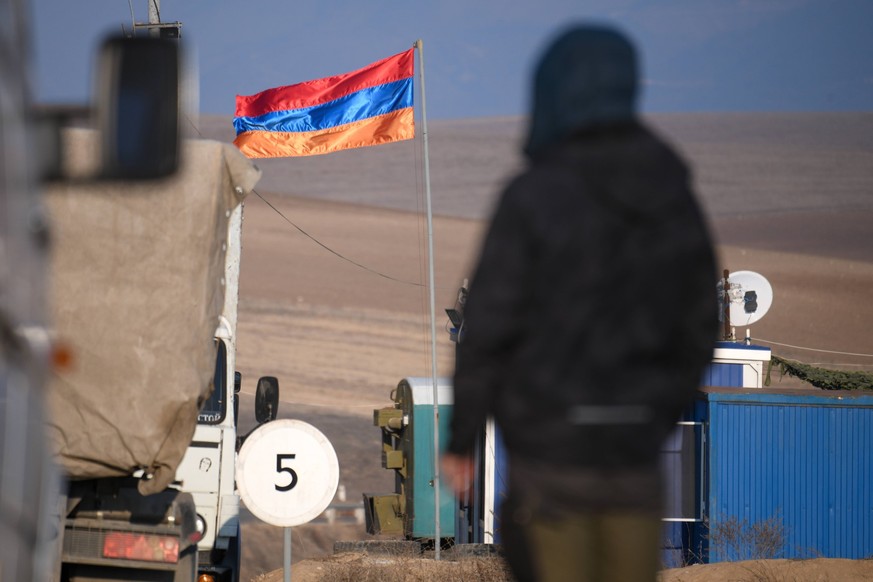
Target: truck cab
{"points": [[207, 470]]}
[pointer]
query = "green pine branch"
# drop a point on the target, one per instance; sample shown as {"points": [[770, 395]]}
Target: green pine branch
{"points": [[821, 377]]}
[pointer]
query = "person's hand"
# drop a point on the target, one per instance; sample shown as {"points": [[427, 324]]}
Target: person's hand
{"points": [[458, 471]]}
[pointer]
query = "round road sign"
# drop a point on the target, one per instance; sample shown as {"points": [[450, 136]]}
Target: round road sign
{"points": [[287, 472]]}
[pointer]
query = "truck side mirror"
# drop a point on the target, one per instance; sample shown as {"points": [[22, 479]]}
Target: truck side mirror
{"points": [[138, 104], [267, 399]]}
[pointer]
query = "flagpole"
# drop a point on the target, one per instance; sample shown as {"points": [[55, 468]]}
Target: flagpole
{"points": [[432, 292]]}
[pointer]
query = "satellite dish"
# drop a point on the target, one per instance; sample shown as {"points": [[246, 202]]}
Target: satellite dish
{"points": [[749, 296]]}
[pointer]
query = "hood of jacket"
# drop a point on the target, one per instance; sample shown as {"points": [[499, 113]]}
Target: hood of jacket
{"points": [[586, 79]]}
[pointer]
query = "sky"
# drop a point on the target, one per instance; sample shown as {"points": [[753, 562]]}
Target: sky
{"points": [[696, 55]]}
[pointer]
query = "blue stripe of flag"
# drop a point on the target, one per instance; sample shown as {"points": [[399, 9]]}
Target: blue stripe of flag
{"points": [[356, 106]]}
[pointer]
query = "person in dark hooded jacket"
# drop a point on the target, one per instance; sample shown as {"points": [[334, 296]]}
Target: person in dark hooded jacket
{"points": [[590, 317]]}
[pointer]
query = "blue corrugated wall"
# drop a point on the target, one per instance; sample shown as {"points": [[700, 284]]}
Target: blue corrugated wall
{"points": [[803, 460], [723, 375]]}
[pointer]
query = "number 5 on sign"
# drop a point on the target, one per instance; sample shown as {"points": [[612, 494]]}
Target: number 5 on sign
{"points": [[287, 472], [292, 472]]}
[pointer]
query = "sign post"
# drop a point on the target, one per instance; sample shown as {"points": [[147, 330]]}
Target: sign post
{"points": [[287, 474]]}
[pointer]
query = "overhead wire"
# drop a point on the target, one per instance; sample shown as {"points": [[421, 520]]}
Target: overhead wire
{"points": [[332, 251], [814, 349]]}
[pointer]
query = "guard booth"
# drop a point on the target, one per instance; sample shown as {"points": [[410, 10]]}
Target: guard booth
{"points": [[408, 449]]}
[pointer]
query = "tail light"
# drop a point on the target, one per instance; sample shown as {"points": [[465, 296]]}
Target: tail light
{"points": [[145, 547]]}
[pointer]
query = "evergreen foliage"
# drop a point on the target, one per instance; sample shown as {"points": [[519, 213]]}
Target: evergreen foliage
{"points": [[822, 377]]}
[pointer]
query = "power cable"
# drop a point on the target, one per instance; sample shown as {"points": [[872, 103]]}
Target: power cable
{"points": [[813, 349], [333, 252]]}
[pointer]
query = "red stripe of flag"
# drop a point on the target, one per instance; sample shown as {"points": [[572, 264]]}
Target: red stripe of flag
{"points": [[309, 93]]}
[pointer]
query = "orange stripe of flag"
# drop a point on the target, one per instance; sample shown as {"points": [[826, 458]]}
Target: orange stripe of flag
{"points": [[394, 126]]}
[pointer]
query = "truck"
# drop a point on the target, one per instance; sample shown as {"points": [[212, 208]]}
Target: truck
{"points": [[118, 290], [144, 290]]}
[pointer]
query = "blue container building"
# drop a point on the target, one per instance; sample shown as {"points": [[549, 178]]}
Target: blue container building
{"points": [[800, 460]]}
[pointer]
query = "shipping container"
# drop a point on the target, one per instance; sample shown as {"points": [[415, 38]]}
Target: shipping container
{"points": [[784, 474]]}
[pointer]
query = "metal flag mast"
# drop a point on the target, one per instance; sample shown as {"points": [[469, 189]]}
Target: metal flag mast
{"points": [[431, 292]]}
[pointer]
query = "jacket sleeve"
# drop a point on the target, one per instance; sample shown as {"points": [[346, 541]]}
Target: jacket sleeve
{"points": [[494, 321]]}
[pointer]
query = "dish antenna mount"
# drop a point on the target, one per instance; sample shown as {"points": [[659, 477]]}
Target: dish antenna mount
{"points": [[154, 27], [744, 297]]}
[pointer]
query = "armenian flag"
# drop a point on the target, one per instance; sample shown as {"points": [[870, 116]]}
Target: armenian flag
{"points": [[370, 106]]}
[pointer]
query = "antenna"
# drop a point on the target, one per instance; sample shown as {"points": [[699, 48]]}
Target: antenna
{"points": [[744, 297], [154, 27]]}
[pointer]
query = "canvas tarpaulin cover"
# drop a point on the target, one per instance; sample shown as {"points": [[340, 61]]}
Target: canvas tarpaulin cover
{"points": [[137, 289]]}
